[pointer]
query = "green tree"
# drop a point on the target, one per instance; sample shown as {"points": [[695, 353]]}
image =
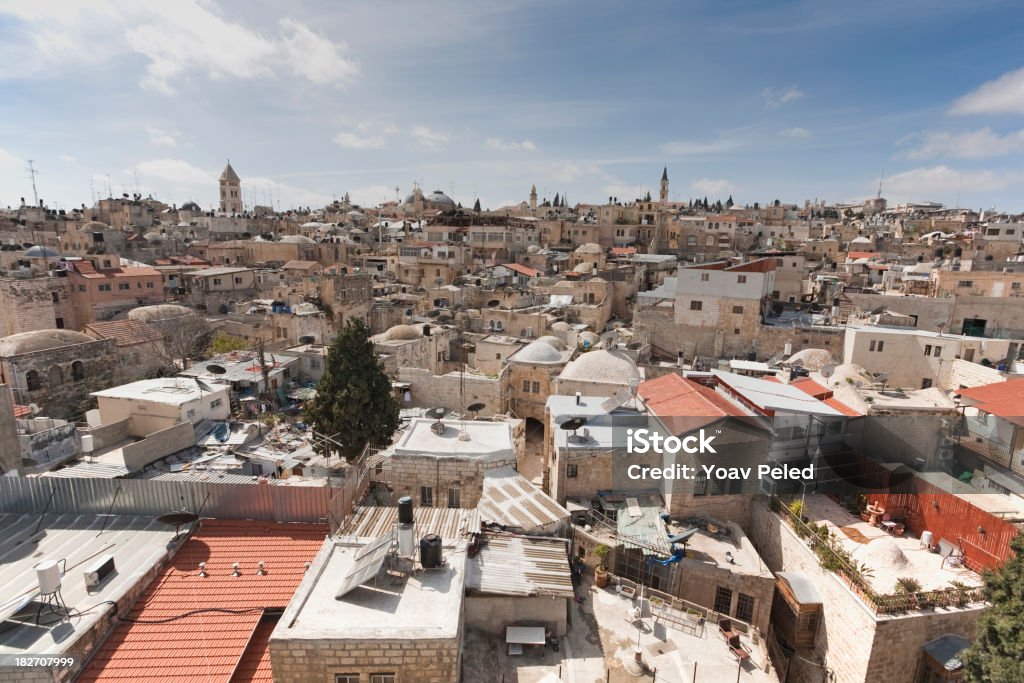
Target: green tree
{"points": [[226, 343], [995, 656], [476, 206], [558, 201], [729, 203], [354, 405]]}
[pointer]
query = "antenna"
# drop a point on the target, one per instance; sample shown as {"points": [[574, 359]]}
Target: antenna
{"points": [[880, 181], [32, 172]]}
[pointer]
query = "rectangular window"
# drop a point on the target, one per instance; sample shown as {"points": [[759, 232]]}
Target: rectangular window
{"points": [[571, 471], [926, 383], [700, 485], [927, 349], [696, 305], [346, 678], [238, 280], [526, 386], [704, 277], [81, 288], [124, 285], [745, 607], [737, 309], [871, 346], [104, 288], [881, 345], [59, 323], [536, 387], [149, 285], [741, 279], [938, 352], [1015, 285], [216, 403], [55, 297], [191, 413], [427, 496], [216, 280], [723, 600], [454, 496], [383, 678], [965, 284]]}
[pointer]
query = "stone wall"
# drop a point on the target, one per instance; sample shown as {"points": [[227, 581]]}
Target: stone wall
{"points": [[28, 304], [158, 445], [408, 474], [493, 613], [964, 374], [60, 394], [453, 391], [420, 660]]}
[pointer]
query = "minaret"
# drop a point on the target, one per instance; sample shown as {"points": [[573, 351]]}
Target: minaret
{"points": [[533, 199], [230, 191], [664, 186]]}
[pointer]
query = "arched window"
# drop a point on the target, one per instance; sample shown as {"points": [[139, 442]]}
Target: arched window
{"points": [[78, 371], [709, 241], [32, 380], [56, 377]]}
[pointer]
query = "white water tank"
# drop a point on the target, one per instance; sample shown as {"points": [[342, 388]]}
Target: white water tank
{"points": [[48, 575], [87, 443], [406, 540]]}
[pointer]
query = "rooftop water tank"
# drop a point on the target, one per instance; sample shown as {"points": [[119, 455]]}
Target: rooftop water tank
{"points": [[430, 551]]}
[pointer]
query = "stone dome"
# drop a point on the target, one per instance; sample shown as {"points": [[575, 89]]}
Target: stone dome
{"points": [[609, 367], [148, 314], [312, 225], [40, 252], [589, 248], [539, 351], [533, 249], [296, 239], [191, 206], [40, 340], [95, 225], [584, 267], [403, 332], [438, 197], [591, 338], [555, 342], [561, 326]]}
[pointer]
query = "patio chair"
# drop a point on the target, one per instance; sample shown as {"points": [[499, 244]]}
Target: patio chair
{"points": [[725, 628], [736, 647]]}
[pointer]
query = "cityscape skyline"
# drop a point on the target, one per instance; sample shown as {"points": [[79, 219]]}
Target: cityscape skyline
{"points": [[309, 106]]}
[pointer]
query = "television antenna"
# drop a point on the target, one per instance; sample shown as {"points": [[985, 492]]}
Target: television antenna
{"points": [[32, 173]]}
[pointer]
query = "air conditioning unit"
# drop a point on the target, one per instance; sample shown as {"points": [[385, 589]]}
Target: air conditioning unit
{"points": [[98, 571]]}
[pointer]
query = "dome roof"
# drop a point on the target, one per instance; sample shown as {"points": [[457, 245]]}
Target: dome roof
{"points": [[584, 267], [148, 314], [312, 225], [190, 206], [532, 249], [589, 248], [611, 367], [40, 340], [95, 225], [588, 336], [554, 342], [403, 332], [539, 351], [296, 239], [438, 197], [561, 326], [40, 252], [153, 236]]}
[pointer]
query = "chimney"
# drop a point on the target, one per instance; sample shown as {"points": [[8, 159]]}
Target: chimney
{"points": [[579, 398]]}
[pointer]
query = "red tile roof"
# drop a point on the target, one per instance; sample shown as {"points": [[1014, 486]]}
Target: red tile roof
{"points": [[522, 270], [861, 254], [620, 251], [1002, 399], [684, 405], [207, 645], [22, 411], [825, 395], [254, 666]]}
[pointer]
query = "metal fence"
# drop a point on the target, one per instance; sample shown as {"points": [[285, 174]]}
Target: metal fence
{"points": [[145, 497]]}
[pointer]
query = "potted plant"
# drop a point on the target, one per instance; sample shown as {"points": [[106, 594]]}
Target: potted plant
{"points": [[601, 572]]}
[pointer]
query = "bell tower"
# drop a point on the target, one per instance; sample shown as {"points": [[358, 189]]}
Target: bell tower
{"points": [[664, 186], [230, 191]]}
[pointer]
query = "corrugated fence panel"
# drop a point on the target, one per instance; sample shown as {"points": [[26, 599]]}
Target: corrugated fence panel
{"points": [[144, 497]]}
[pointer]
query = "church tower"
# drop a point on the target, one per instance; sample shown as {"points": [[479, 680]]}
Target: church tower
{"points": [[533, 199], [230, 191], [664, 186]]}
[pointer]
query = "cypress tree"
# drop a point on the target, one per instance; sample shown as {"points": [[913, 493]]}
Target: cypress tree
{"points": [[354, 404], [995, 656]]}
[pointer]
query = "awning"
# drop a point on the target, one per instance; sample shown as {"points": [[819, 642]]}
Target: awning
{"points": [[525, 635]]}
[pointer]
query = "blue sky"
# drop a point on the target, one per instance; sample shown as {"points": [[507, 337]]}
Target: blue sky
{"points": [[788, 100]]}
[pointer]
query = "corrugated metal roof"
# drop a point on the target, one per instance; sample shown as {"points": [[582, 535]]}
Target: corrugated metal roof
{"points": [[89, 470], [802, 587], [518, 565], [451, 524], [510, 499]]}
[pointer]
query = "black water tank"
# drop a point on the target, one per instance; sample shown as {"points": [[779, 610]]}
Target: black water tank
{"points": [[430, 551], [405, 510]]}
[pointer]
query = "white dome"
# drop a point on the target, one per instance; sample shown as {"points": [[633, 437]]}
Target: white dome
{"points": [[561, 326], [403, 332], [611, 367], [539, 351], [589, 248], [296, 239], [554, 342]]}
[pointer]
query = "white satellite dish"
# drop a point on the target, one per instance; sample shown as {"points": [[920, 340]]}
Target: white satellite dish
{"points": [[828, 370]]}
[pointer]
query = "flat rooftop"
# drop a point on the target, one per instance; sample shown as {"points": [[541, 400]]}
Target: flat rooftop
{"points": [[137, 544], [173, 391], [425, 604], [486, 439]]}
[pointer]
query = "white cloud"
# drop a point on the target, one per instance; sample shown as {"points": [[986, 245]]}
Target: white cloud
{"points": [[713, 188], [568, 171], [1004, 95], [289, 196], [500, 145], [68, 158], [163, 138], [976, 144], [428, 139], [372, 195], [697, 148], [939, 180], [177, 171], [776, 97], [177, 39], [795, 133], [356, 141]]}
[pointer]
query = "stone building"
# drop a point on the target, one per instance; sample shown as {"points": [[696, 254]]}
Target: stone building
{"points": [[141, 351], [57, 369], [598, 373], [414, 346], [36, 303], [100, 292], [230, 191], [532, 371]]}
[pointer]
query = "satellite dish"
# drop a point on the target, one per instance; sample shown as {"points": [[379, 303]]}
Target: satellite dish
{"points": [[633, 346], [307, 339], [215, 369], [435, 413], [203, 386], [177, 519], [434, 313], [572, 424], [828, 370], [476, 407], [493, 302]]}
